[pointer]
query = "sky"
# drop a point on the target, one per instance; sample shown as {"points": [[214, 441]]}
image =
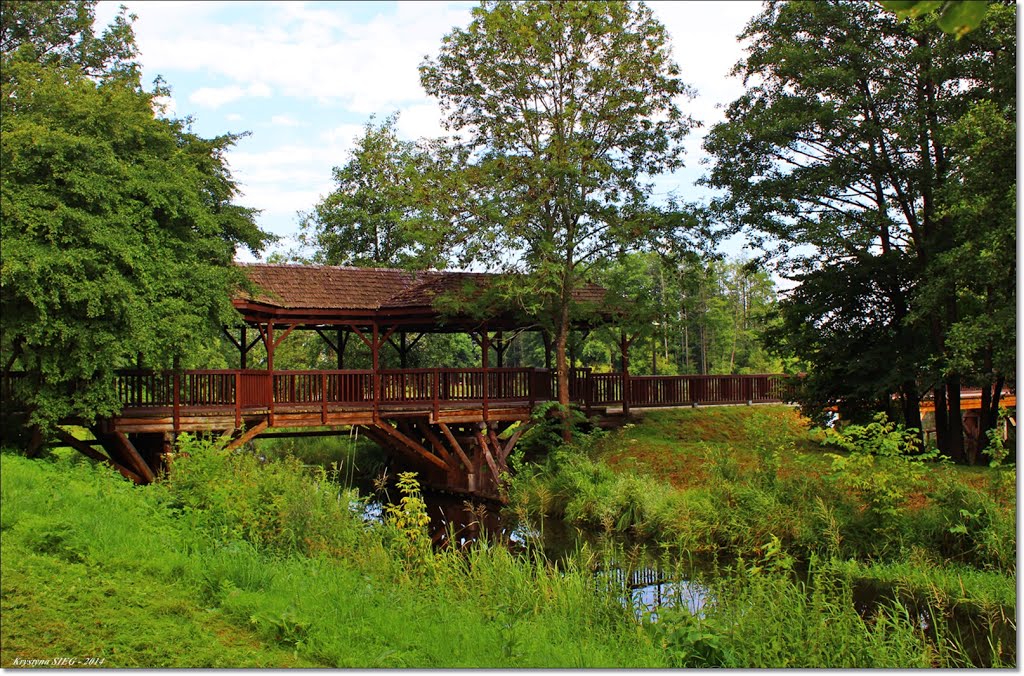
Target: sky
{"points": [[303, 79]]}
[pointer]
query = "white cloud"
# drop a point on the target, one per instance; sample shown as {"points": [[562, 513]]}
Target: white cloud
{"points": [[285, 121], [348, 60], [705, 47], [343, 135], [422, 120], [318, 53], [165, 106], [215, 97]]}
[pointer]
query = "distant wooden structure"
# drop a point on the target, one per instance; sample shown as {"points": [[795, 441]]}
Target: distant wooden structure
{"points": [[970, 409], [456, 427]]}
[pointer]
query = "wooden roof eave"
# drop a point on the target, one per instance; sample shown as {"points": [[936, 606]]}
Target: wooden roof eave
{"points": [[419, 318]]}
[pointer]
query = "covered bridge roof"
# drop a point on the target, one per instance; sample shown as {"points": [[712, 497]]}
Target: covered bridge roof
{"points": [[326, 293]]}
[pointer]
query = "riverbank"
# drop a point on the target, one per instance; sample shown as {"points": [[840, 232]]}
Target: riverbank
{"points": [[243, 561]]}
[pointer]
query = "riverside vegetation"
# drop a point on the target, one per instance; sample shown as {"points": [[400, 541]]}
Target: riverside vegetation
{"points": [[246, 561]]}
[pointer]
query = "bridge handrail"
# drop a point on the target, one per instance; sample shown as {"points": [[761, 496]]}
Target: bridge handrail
{"points": [[251, 389]]}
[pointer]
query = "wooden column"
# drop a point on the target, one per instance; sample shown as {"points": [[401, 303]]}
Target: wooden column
{"points": [[269, 342], [654, 354], [486, 348], [375, 356], [624, 346], [499, 349], [242, 351], [340, 350]]}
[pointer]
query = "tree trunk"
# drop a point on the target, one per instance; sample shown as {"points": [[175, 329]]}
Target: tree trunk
{"points": [[911, 401], [989, 414], [956, 420], [561, 364]]}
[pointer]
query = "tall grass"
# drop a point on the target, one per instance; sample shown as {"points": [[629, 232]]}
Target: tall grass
{"points": [[237, 560]]}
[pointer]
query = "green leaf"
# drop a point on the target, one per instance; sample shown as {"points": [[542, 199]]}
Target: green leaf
{"points": [[960, 18]]}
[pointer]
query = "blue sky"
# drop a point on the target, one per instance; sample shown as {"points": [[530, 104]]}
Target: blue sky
{"points": [[303, 78]]}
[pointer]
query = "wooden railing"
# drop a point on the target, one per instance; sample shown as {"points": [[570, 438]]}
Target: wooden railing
{"points": [[246, 390]]}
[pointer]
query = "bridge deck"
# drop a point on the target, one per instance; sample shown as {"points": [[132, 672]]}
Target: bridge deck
{"points": [[219, 399]]}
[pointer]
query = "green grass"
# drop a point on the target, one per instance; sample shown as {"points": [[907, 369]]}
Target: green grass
{"points": [[94, 567], [673, 443], [200, 572], [238, 561], [730, 480]]}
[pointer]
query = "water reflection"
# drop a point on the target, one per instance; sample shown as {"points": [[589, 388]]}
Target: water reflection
{"points": [[647, 583]]}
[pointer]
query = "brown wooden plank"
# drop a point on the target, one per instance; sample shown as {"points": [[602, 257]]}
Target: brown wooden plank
{"points": [[133, 457], [412, 445], [487, 454], [456, 446], [248, 436], [90, 452], [495, 444], [435, 442], [511, 443]]}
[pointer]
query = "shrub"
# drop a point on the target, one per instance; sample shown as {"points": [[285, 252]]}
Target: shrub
{"points": [[273, 505]]}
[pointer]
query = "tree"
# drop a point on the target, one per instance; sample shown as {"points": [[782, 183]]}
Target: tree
{"points": [[958, 17], [565, 107], [840, 160], [118, 226], [61, 34], [375, 216]]}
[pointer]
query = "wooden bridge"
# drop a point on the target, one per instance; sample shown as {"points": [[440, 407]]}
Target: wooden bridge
{"points": [[456, 426]]}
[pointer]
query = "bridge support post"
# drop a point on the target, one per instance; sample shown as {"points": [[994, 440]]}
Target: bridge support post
{"points": [[624, 347]]}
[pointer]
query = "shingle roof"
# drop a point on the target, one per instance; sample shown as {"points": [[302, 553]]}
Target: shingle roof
{"points": [[328, 287], [325, 287]]}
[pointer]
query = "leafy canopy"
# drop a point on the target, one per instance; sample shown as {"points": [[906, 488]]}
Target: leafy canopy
{"points": [[376, 214], [561, 111], [118, 226]]}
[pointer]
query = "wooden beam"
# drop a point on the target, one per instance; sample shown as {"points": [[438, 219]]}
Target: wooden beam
{"points": [[456, 446], [436, 442], [284, 335], [487, 454], [494, 442], [308, 433], [248, 436], [363, 338], [510, 444], [234, 342], [327, 340], [387, 334], [85, 449], [412, 445], [121, 439]]}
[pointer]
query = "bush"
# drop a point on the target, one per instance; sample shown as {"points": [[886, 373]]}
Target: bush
{"points": [[275, 506]]}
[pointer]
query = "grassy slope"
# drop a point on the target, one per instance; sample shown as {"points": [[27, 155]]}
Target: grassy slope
{"points": [[672, 443], [95, 567], [90, 568]]}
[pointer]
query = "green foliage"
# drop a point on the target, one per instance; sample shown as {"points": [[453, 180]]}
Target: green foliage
{"points": [[958, 17], [881, 437], [274, 506], [200, 587], [696, 313], [374, 215], [410, 520], [883, 468], [880, 185], [205, 561], [118, 225], [62, 35], [688, 640], [550, 177]]}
